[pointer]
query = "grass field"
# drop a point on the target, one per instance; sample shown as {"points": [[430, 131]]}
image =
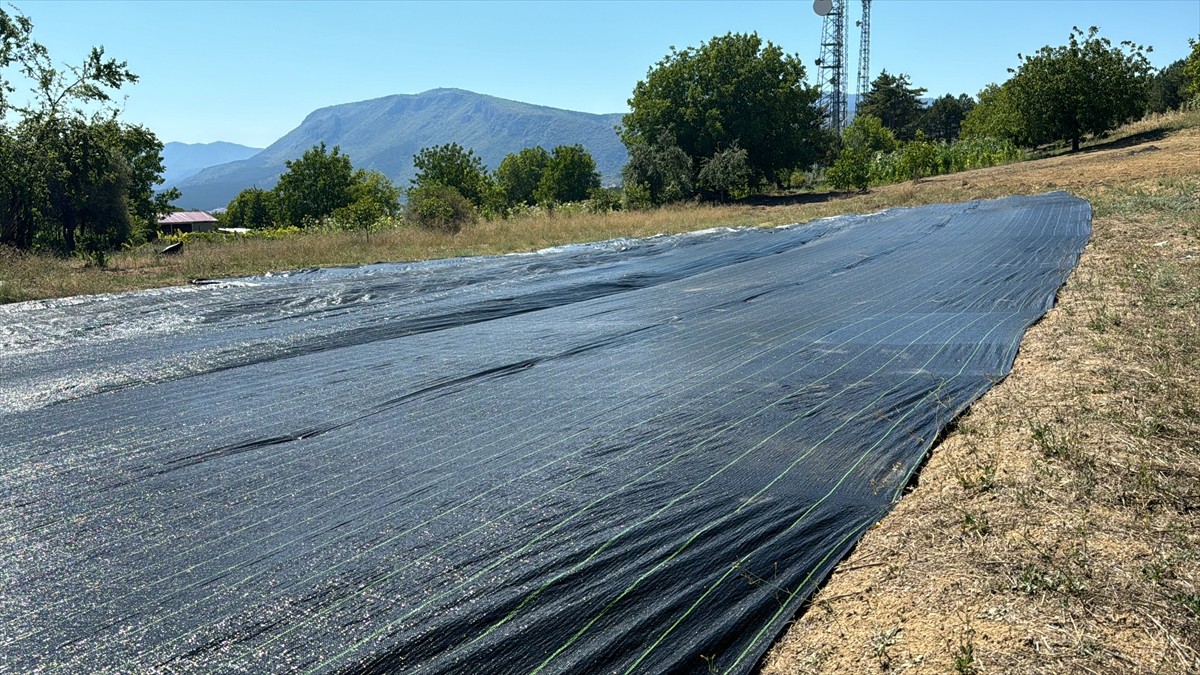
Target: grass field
{"points": [[1056, 526]]}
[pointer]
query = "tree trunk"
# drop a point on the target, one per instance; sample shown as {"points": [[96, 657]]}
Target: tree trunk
{"points": [[1075, 144]]}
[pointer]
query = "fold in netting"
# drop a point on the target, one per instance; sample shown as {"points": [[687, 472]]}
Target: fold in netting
{"points": [[631, 456]]}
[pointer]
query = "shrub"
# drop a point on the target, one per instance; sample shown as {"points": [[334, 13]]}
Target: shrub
{"points": [[439, 207]]}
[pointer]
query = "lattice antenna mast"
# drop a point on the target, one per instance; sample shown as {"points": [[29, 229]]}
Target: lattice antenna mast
{"points": [[832, 65], [864, 51]]}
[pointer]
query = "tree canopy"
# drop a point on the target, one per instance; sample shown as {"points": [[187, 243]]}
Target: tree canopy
{"points": [[72, 176], [570, 176], [454, 166], [732, 89], [1087, 86], [896, 103], [314, 186]]}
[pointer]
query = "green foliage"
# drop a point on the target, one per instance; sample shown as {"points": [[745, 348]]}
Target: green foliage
{"points": [[866, 133], [72, 177], [1191, 71], [252, 209], [896, 103], [726, 174], [519, 174], [862, 141], [701, 100], [852, 169], [456, 167], [1087, 86], [439, 207], [1168, 89], [918, 158], [570, 176], [995, 116], [656, 174], [943, 119], [314, 186]]}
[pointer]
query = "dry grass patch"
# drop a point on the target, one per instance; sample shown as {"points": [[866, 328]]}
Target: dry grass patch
{"points": [[1057, 526]]}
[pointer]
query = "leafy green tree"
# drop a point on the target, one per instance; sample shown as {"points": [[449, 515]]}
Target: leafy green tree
{"points": [[658, 173], [918, 157], [1087, 86], [896, 103], [995, 116], [252, 209], [862, 141], [569, 176], [460, 168], [731, 88], [1167, 90], [314, 186], [75, 178], [943, 119], [519, 174], [1191, 72], [726, 174]]}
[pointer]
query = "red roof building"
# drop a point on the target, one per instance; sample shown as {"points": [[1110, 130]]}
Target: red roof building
{"points": [[187, 221]]}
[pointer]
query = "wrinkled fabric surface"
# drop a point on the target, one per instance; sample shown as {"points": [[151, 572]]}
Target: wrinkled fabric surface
{"points": [[630, 456]]}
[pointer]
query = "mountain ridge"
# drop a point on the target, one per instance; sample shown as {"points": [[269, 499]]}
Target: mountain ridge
{"points": [[384, 133]]}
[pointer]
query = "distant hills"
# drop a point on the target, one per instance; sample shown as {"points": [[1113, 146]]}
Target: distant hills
{"points": [[182, 160], [384, 133]]}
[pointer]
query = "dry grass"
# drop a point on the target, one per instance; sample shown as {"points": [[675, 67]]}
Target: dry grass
{"points": [[1057, 527]]}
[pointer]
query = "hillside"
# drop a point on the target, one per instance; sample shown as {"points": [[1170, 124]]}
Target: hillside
{"points": [[182, 160], [383, 134]]}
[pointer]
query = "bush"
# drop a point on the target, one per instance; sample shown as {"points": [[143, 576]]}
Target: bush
{"points": [[851, 170], [439, 207]]}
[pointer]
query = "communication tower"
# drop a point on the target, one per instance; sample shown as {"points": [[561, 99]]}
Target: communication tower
{"points": [[864, 51], [832, 63]]}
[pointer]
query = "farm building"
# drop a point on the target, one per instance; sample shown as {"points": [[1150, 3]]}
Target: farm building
{"points": [[186, 221]]}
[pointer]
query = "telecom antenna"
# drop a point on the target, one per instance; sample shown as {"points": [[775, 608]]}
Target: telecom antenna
{"points": [[832, 64], [864, 52]]}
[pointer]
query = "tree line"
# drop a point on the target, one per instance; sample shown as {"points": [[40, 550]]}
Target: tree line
{"points": [[733, 116]]}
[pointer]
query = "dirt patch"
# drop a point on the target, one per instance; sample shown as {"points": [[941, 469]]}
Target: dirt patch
{"points": [[1056, 528]]}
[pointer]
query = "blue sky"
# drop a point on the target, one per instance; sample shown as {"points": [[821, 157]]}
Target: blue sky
{"points": [[249, 72]]}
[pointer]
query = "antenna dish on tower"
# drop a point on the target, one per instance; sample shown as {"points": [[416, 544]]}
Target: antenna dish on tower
{"points": [[822, 7]]}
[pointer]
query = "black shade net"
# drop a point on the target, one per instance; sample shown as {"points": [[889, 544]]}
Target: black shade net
{"points": [[632, 456]]}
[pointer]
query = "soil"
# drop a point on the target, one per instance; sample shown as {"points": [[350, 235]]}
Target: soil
{"points": [[1055, 526]]}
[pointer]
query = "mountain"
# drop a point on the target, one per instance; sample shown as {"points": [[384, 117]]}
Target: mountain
{"points": [[181, 160], [383, 134]]}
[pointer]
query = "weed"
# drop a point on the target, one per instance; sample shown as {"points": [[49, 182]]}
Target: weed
{"points": [[964, 659]]}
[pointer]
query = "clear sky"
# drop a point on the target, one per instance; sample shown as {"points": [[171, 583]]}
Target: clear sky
{"points": [[249, 72]]}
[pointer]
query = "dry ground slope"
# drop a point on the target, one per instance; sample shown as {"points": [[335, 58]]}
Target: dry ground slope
{"points": [[1056, 527]]}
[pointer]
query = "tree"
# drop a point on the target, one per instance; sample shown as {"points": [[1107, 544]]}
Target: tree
{"points": [[896, 103], [252, 209], [570, 176], [519, 174], [732, 88], [453, 166], [1087, 86], [1191, 72], [943, 119], [726, 174], [314, 186], [372, 198], [995, 116], [1167, 89], [862, 141], [657, 173], [74, 176]]}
